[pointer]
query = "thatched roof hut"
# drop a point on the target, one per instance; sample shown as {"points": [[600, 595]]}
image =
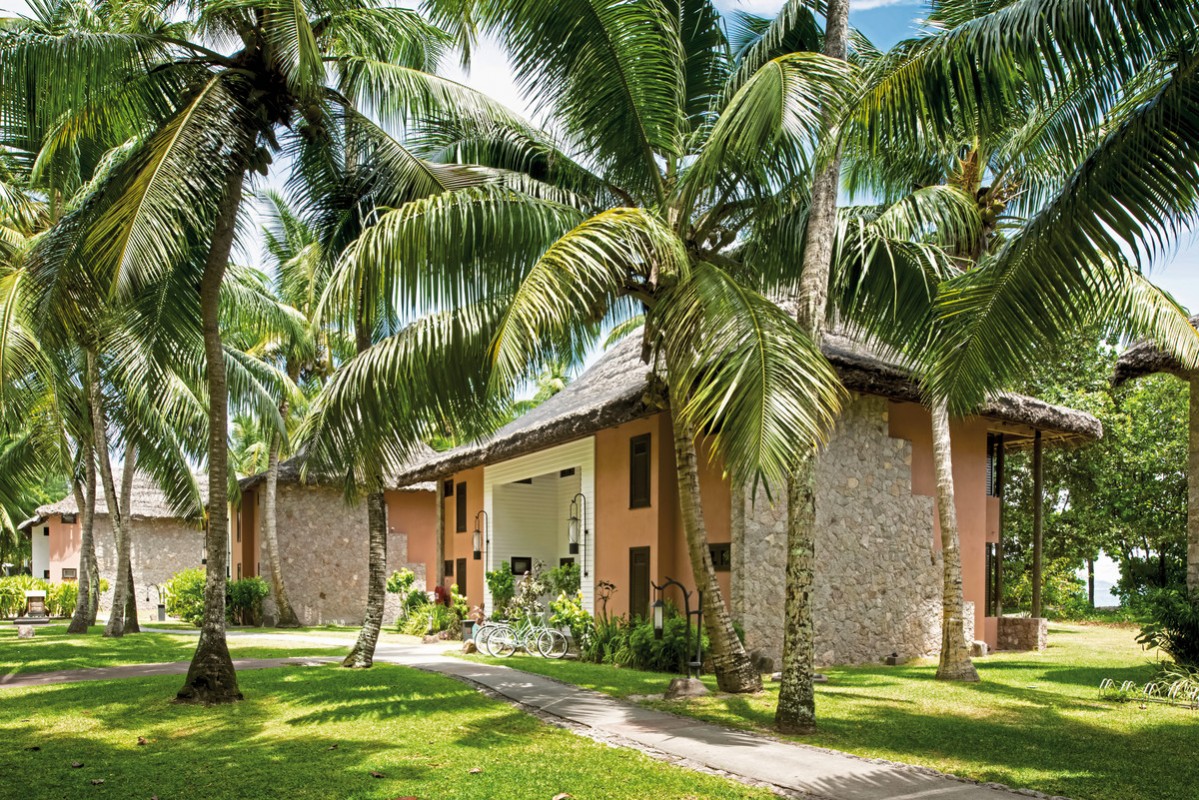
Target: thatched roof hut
{"points": [[618, 389], [1145, 358], [147, 501], [290, 472]]}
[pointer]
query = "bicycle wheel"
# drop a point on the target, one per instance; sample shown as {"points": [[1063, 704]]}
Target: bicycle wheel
{"points": [[482, 635], [501, 643], [490, 634], [552, 644]]}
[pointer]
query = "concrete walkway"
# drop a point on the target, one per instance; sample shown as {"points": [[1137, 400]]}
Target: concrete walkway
{"points": [[809, 771], [800, 768]]}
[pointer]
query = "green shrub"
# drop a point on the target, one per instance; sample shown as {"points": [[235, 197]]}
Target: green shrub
{"points": [[400, 583], [530, 591], [568, 611], [1173, 625], [564, 579], [185, 595], [633, 644], [502, 585], [61, 599], [243, 600], [12, 593], [432, 618]]}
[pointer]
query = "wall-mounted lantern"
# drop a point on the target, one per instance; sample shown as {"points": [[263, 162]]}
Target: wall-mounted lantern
{"points": [[578, 527], [482, 534]]}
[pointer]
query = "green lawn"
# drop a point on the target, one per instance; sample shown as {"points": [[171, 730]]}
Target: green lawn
{"points": [[52, 649], [315, 732], [1034, 722]]}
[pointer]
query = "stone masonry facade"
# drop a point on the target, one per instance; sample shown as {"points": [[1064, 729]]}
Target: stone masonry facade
{"points": [[323, 544], [161, 548], [877, 573]]}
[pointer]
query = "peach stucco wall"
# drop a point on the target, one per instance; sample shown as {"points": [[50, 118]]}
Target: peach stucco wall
{"points": [[65, 542], [620, 528], [912, 422], [414, 514], [459, 544]]}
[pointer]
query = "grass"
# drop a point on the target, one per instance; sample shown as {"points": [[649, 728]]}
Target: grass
{"points": [[1034, 721], [53, 649], [315, 732]]}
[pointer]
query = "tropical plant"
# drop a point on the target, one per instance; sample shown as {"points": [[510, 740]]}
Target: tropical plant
{"points": [[198, 123], [1173, 626], [686, 149]]}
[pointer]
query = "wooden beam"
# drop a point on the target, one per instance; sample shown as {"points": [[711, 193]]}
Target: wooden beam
{"points": [[439, 546], [999, 486], [1038, 491]]}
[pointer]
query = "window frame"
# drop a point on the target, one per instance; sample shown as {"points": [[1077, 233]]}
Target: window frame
{"points": [[636, 499]]}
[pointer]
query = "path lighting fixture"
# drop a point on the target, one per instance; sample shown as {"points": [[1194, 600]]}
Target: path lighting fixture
{"points": [[481, 534], [690, 685], [578, 527]]}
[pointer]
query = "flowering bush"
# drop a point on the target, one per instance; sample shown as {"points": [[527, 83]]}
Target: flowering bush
{"points": [[569, 612]]}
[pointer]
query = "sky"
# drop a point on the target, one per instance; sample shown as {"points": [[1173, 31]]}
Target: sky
{"points": [[884, 22]]}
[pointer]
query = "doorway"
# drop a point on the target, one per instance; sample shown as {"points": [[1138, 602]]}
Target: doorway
{"points": [[639, 582], [460, 576]]}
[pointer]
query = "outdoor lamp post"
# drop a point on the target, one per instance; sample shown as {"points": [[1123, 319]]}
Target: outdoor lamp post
{"points": [[578, 527], [162, 606], [691, 685], [481, 534]]}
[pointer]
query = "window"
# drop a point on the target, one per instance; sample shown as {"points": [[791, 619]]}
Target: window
{"points": [[448, 566], [460, 508], [46, 574], [722, 556], [239, 572], [994, 464], [45, 531], [70, 574], [521, 565], [562, 562], [447, 488], [69, 518], [639, 455]]}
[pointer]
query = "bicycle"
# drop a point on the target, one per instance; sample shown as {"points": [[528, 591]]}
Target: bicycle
{"points": [[502, 639]]}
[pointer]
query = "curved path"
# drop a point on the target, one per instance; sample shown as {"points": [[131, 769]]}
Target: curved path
{"points": [[797, 769]]}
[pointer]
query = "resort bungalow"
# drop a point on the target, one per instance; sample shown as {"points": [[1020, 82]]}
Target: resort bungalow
{"points": [[324, 544], [163, 542], [589, 476]]}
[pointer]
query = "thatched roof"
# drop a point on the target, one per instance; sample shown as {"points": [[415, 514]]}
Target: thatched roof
{"points": [[146, 502], [616, 388], [289, 472], [1144, 358]]}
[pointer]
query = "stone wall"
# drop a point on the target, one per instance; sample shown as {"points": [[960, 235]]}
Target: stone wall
{"points": [[878, 581], [323, 544], [1023, 633], [160, 548]]}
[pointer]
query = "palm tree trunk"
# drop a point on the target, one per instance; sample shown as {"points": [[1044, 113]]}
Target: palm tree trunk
{"points": [[362, 655], [1193, 490], [116, 615], [131, 623], [796, 711], [89, 586], [286, 615], [955, 662], [211, 677], [734, 671]]}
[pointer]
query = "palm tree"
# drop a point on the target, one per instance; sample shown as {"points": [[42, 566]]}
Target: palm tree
{"points": [[684, 145], [203, 121], [1124, 70]]}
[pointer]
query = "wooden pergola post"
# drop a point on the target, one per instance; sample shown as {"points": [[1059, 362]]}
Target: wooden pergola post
{"points": [[999, 480], [439, 547], [1038, 501]]}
